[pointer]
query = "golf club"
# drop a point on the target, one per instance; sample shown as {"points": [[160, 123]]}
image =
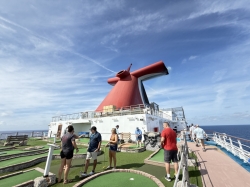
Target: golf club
{"points": [[84, 163], [104, 167]]}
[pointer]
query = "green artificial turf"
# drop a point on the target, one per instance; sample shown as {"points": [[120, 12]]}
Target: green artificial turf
{"points": [[86, 141], [27, 158], [81, 151], [133, 146], [20, 160], [121, 179], [21, 178], [124, 161], [159, 157]]}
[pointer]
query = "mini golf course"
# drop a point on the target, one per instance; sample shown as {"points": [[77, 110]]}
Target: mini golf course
{"points": [[19, 160], [20, 178], [124, 161], [121, 179], [159, 156], [86, 141]]}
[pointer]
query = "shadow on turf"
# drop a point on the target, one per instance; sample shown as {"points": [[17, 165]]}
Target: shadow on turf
{"points": [[130, 166]]}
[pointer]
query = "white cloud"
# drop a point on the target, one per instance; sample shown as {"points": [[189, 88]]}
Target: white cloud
{"points": [[3, 114], [54, 58], [219, 75], [193, 57]]}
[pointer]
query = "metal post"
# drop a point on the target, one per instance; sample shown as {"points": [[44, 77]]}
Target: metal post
{"points": [[49, 159], [55, 139], [241, 154], [225, 142], [232, 146], [186, 167], [215, 138]]}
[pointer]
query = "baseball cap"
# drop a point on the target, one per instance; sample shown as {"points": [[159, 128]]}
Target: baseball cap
{"points": [[117, 125], [93, 128]]}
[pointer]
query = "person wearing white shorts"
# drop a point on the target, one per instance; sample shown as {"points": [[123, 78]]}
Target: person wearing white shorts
{"points": [[200, 136], [91, 155], [94, 146]]}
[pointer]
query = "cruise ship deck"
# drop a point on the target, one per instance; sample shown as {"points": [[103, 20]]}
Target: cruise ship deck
{"points": [[218, 169]]}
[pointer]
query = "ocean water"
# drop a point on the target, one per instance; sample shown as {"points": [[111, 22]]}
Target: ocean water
{"points": [[241, 131]]}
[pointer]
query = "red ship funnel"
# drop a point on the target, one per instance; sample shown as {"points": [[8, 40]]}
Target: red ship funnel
{"points": [[128, 87]]}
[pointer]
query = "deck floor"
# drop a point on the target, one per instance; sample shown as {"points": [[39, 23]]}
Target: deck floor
{"points": [[218, 169]]}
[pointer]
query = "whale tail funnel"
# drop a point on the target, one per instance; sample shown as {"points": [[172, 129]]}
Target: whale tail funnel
{"points": [[128, 87]]}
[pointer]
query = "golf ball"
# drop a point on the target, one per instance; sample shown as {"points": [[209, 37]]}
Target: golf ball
{"points": [[131, 179]]}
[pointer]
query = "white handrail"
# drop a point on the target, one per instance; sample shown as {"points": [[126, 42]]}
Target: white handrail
{"points": [[235, 147], [128, 110], [183, 165]]}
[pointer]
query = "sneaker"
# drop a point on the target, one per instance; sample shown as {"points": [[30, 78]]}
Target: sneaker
{"points": [[92, 173], [83, 174], [176, 177], [167, 178], [108, 167]]}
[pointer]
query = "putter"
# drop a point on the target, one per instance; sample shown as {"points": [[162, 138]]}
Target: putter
{"points": [[84, 163], [104, 167]]}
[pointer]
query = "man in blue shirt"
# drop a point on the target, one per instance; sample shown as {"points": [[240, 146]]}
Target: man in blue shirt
{"points": [[138, 134], [94, 146]]}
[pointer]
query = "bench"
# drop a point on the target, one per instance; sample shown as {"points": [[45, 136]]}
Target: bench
{"points": [[126, 137], [20, 139]]}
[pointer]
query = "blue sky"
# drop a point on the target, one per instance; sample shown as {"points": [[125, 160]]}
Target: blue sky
{"points": [[55, 57]]}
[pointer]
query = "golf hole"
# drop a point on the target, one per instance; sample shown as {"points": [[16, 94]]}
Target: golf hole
{"points": [[131, 179]]}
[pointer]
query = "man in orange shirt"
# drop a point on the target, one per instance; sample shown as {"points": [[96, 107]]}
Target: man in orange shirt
{"points": [[168, 142]]}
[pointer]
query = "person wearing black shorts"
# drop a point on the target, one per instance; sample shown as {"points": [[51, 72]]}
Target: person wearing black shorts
{"points": [[113, 144], [170, 156], [68, 145], [168, 142]]}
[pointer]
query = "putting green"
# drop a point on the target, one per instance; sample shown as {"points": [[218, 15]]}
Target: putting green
{"points": [[121, 179], [159, 157], [21, 178], [28, 158], [81, 151], [20, 160], [17, 151], [134, 146]]}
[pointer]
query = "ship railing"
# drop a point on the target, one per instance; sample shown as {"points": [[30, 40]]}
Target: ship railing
{"points": [[3, 136], [183, 164], [127, 110], [234, 145]]}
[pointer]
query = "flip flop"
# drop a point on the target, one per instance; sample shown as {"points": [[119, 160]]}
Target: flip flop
{"points": [[59, 181], [67, 181]]}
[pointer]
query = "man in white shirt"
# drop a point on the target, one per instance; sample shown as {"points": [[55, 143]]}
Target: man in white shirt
{"points": [[200, 136], [191, 129]]}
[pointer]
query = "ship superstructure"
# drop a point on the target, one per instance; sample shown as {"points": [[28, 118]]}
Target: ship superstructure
{"points": [[126, 105]]}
